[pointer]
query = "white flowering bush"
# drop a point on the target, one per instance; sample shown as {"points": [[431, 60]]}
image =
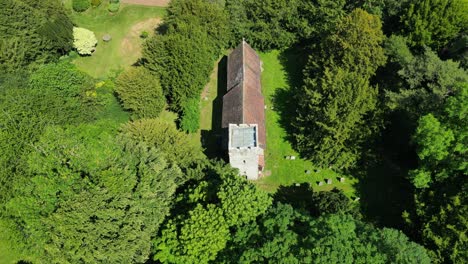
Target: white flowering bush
{"points": [[84, 40]]}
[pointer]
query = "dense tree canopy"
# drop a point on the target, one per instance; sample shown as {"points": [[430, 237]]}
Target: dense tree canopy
{"points": [[337, 96], [434, 23], [88, 199], [33, 32]]}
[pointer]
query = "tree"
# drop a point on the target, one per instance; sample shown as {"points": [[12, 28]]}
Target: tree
{"points": [[88, 199], [140, 92], [207, 209], [200, 238], [336, 102], [84, 41], [284, 235], [56, 94], [209, 15], [434, 23], [33, 33], [183, 62], [176, 146], [440, 199], [330, 121], [423, 81], [277, 24]]}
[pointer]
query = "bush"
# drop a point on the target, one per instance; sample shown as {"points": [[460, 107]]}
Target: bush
{"points": [[113, 7], [96, 3], [84, 41], [140, 92], [80, 5], [144, 34], [190, 121]]}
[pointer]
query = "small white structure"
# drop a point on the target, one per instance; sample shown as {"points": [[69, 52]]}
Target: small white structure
{"points": [[243, 149]]}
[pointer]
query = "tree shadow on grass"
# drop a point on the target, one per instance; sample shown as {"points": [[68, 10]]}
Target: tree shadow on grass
{"points": [[212, 140], [384, 190], [293, 61]]}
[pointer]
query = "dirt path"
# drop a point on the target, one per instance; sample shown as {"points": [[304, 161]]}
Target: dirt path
{"points": [[146, 2], [131, 44]]}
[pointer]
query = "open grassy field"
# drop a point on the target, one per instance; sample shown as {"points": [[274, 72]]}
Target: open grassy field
{"points": [[124, 27]]}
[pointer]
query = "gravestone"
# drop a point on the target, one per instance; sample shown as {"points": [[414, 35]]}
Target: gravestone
{"points": [[293, 157], [320, 183], [307, 171], [329, 181], [342, 179]]}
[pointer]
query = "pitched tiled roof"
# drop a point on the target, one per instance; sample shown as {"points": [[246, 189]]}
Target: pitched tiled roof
{"points": [[244, 102]]}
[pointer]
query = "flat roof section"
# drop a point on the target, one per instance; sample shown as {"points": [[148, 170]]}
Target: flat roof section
{"points": [[243, 137]]}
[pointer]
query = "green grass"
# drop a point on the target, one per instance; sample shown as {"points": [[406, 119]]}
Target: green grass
{"points": [[276, 90], [125, 47]]}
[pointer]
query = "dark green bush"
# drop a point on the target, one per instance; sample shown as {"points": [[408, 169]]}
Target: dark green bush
{"points": [[190, 121], [81, 5]]}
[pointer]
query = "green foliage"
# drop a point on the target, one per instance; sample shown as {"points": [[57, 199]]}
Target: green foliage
{"points": [[140, 92], [331, 202], [33, 33], [183, 63], [86, 198], [144, 34], [176, 146], [54, 94], [423, 81], [96, 3], [283, 235], [241, 202], [434, 23], [184, 56], [200, 238], [113, 7], [336, 102], [190, 120], [81, 5], [84, 41], [208, 15], [441, 200], [441, 141], [205, 214], [277, 24]]}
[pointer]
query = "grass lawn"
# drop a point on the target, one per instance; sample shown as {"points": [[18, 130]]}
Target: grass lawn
{"points": [[124, 27], [279, 72]]}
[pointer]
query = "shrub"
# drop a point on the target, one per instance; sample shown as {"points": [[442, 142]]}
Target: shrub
{"points": [[190, 121], [140, 92], [144, 34], [80, 5], [96, 3], [113, 7], [84, 40]]}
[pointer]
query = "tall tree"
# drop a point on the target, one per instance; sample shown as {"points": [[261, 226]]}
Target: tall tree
{"points": [[337, 101], [423, 81], [434, 23]]}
